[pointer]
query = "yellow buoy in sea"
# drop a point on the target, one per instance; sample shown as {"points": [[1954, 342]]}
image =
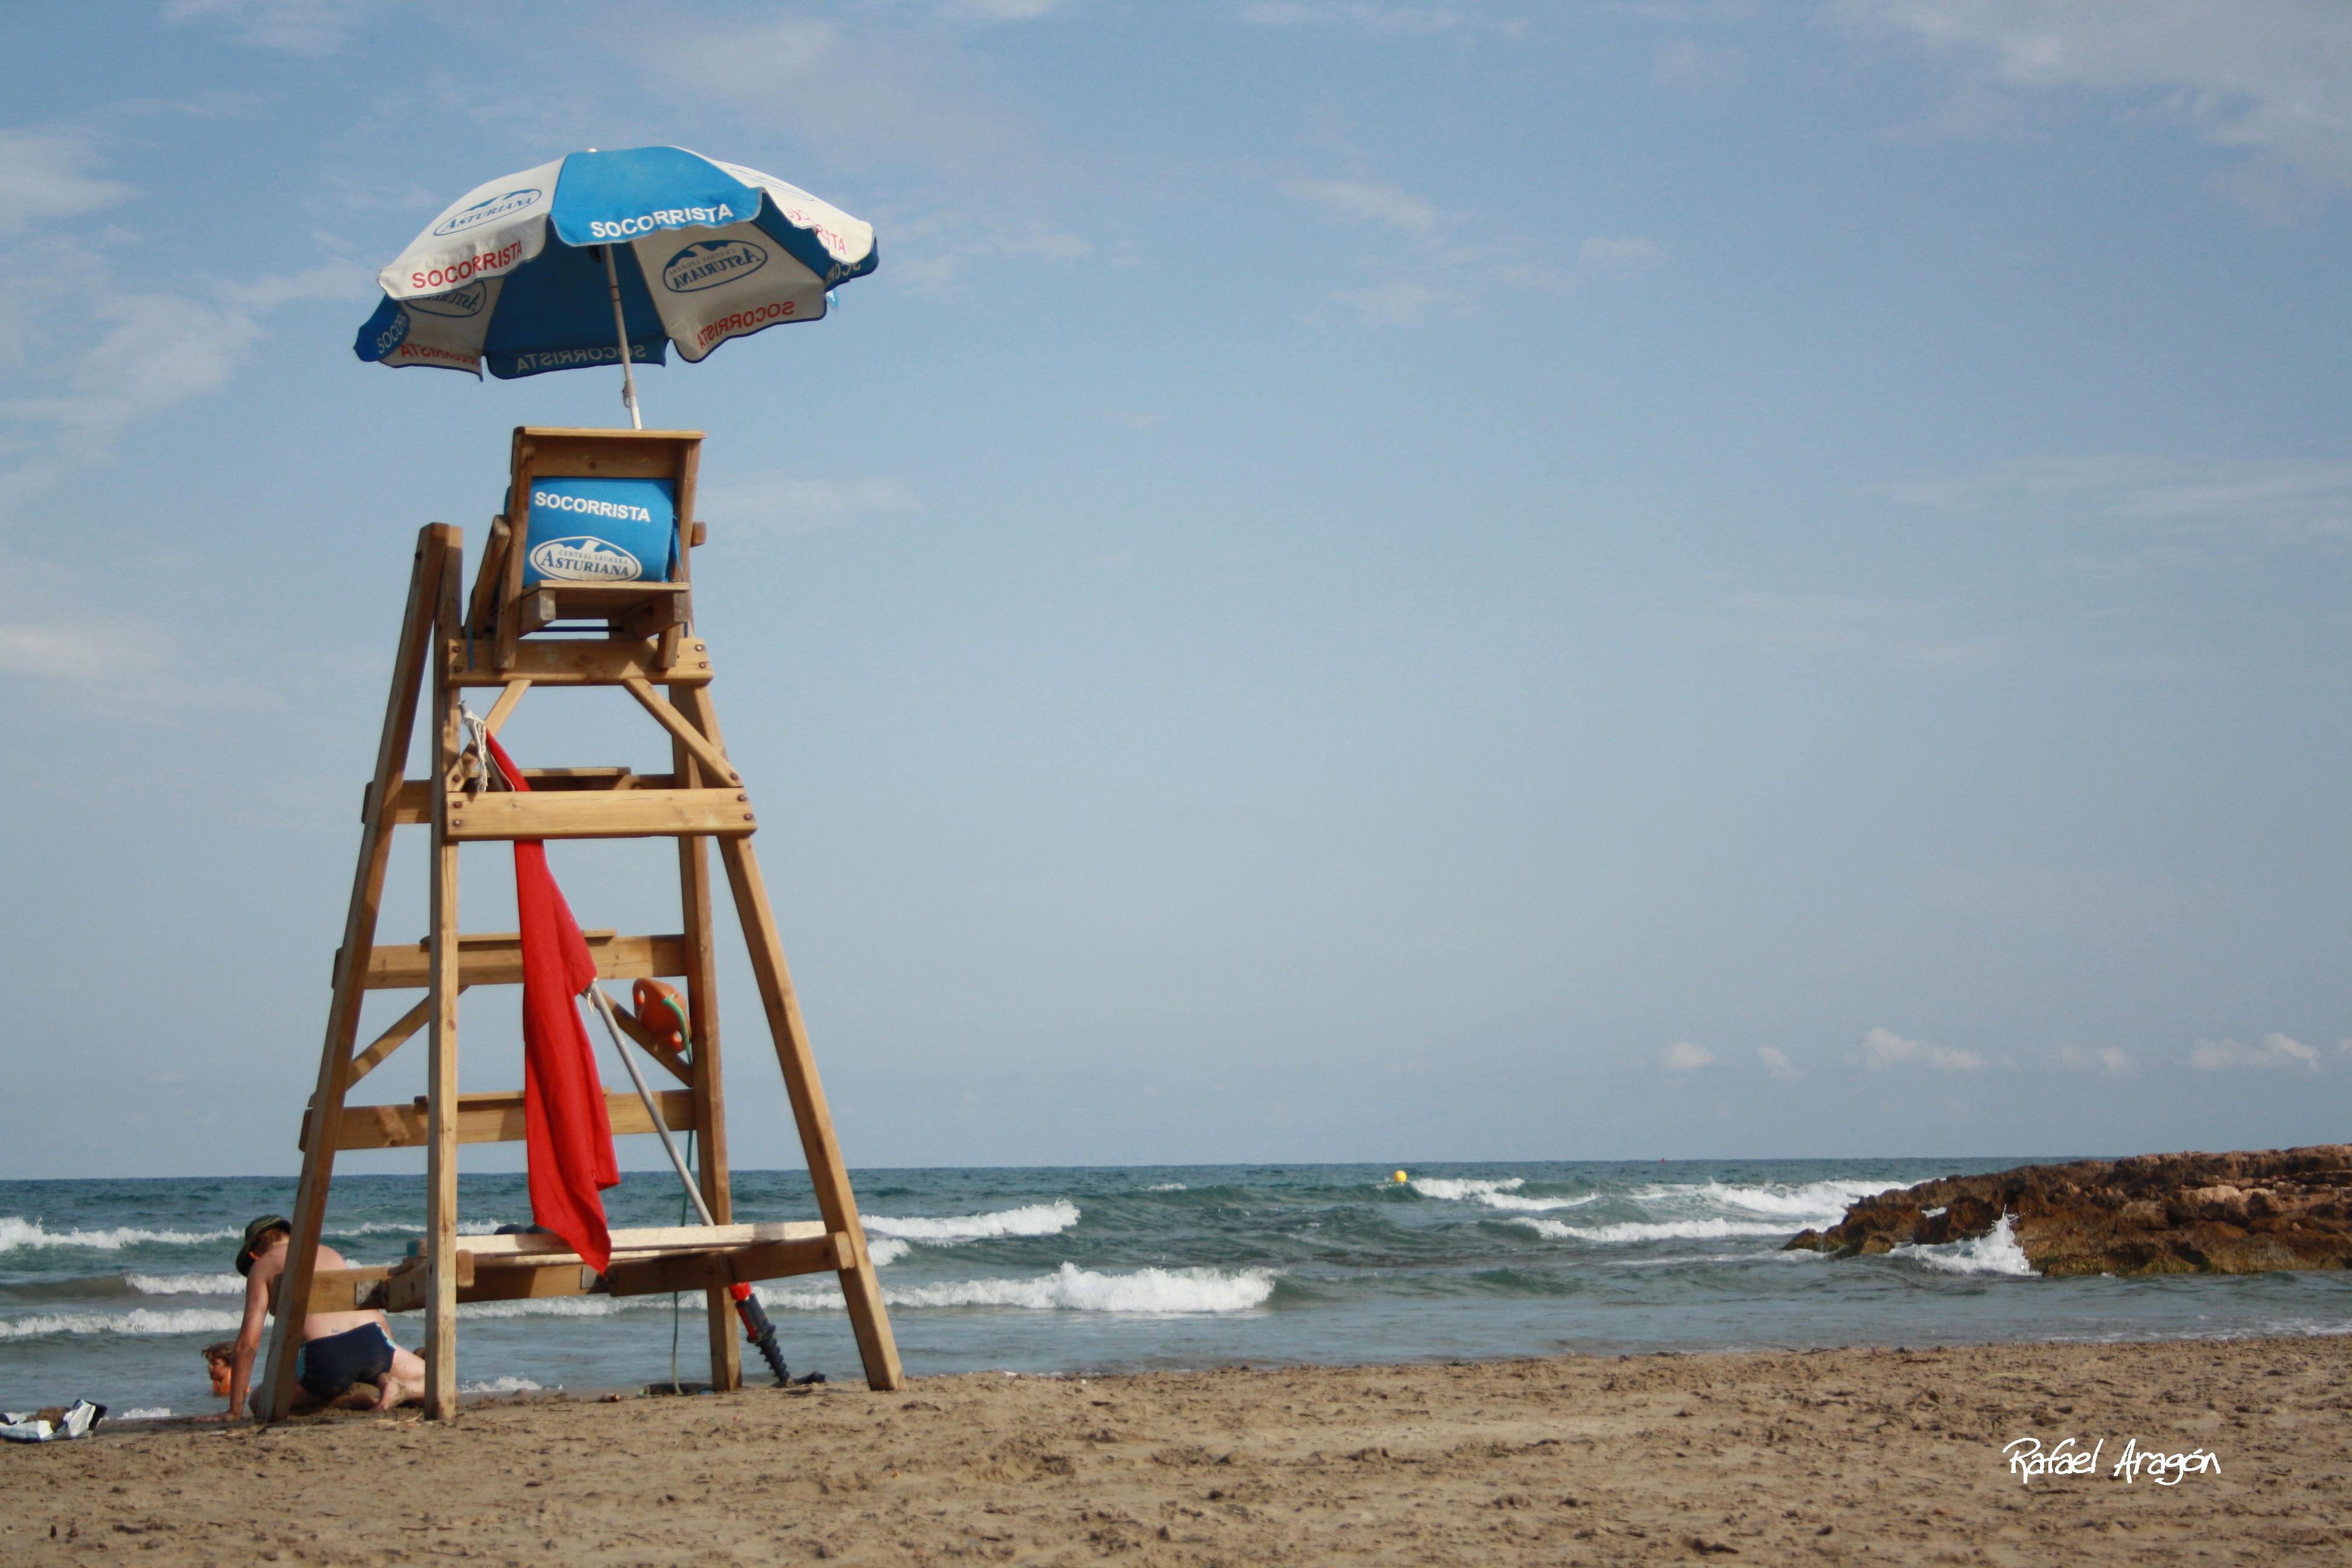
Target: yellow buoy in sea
{"points": [[1400, 1175]]}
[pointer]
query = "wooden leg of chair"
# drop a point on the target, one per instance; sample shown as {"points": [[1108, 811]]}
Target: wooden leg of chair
{"points": [[435, 546], [827, 1172], [441, 1071]]}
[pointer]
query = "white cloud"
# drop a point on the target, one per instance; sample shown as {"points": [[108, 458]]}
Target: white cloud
{"points": [[2275, 1051], [1427, 266], [1621, 258], [1682, 1057], [784, 502], [950, 170], [997, 10], [1368, 201], [2107, 1059], [1379, 18], [157, 350], [2290, 500], [47, 174], [1776, 1062], [1804, 625], [1696, 69], [293, 27], [2270, 78], [1884, 1049]]}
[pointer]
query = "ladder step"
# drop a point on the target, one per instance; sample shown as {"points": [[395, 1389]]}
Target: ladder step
{"points": [[495, 958], [411, 799], [491, 1119], [602, 814]]}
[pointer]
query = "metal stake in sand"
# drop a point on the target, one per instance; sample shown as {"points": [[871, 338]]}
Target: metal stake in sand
{"points": [[653, 1111]]}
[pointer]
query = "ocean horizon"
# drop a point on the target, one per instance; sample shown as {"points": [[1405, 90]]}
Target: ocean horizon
{"points": [[110, 1289]]}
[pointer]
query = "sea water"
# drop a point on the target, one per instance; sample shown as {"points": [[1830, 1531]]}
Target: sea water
{"points": [[110, 1289]]}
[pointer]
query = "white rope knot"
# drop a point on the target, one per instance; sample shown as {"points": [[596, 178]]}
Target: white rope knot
{"points": [[478, 744]]}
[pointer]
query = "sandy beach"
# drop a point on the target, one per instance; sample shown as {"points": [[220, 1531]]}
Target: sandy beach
{"points": [[1881, 1454]]}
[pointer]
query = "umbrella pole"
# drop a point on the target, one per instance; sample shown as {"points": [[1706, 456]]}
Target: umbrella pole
{"points": [[621, 329]]}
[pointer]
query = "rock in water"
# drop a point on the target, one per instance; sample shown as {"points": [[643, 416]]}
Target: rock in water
{"points": [[2246, 1213]]}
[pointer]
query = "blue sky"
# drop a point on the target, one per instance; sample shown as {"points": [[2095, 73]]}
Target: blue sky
{"points": [[1365, 580]]}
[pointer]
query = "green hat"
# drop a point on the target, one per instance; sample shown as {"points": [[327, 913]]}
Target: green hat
{"points": [[254, 1233]]}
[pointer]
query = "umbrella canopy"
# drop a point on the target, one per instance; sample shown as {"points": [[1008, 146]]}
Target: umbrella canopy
{"points": [[525, 274]]}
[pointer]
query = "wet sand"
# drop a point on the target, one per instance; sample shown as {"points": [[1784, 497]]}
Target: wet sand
{"points": [[1871, 1455]]}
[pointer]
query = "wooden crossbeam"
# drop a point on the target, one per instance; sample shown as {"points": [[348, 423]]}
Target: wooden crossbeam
{"points": [[495, 958], [678, 1066], [602, 814], [491, 1118], [705, 750], [577, 661], [391, 1041], [412, 802], [486, 1273], [540, 1247], [718, 1269]]}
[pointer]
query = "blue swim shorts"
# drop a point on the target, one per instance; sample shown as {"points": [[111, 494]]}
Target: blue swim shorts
{"points": [[328, 1366]]}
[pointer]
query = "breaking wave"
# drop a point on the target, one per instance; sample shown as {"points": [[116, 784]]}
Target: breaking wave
{"points": [[1035, 1219], [1994, 1252], [186, 1284], [190, 1320], [17, 1231], [1811, 1200], [1455, 1189], [1650, 1230], [500, 1385], [1069, 1289]]}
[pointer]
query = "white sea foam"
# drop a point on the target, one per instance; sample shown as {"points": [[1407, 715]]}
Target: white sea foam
{"points": [[1658, 1230], [886, 1249], [1167, 1187], [17, 1231], [145, 1412], [186, 1284], [1068, 1289], [1994, 1252], [1818, 1201], [500, 1385], [1455, 1189], [1035, 1219], [141, 1320], [1534, 1205]]}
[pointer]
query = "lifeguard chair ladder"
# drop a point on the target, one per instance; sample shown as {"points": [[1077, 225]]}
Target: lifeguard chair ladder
{"points": [[648, 648]]}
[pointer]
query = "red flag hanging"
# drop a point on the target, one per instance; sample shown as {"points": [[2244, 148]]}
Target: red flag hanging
{"points": [[570, 1138]]}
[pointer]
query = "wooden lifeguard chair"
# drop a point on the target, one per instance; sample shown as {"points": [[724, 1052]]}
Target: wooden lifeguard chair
{"points": [[647, 648]]}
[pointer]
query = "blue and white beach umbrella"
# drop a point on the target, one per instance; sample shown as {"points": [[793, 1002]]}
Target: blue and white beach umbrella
{"points": [[562, 266]]}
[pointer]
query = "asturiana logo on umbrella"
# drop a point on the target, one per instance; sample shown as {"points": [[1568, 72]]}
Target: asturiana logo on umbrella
{"points": [[465, 302], [583, 558], [669, 217], [496, 207], [705, 264]]}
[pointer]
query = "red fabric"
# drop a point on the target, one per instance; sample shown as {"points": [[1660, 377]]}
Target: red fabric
{"points": [[570, 1138]]}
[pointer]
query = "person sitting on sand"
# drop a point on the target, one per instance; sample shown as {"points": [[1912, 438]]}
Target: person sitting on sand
{"points": [[339, 1349]]}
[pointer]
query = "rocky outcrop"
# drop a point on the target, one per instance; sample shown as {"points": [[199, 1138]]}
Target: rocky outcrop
{"points": [[2246, 1213]]}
